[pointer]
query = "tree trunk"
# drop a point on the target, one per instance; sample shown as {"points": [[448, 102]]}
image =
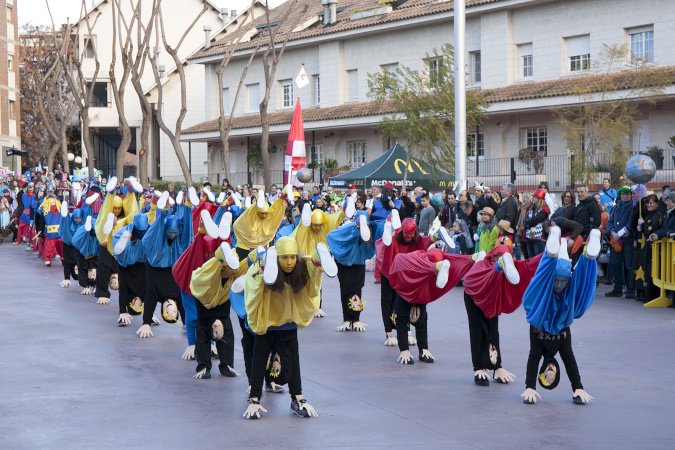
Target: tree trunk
{"points": [[52, 154], [264, 147], [64, 150]]}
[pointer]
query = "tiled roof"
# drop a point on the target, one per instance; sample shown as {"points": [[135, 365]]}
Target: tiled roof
{"points": [[515, 92], [406, 9]]}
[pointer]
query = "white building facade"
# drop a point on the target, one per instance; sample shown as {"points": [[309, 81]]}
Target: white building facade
{"points": [[520, 53]]}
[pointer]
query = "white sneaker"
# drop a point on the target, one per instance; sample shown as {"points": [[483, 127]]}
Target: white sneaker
{"points": [[443, 274], [350, 210], [327, 261], [594, 245], [553, 242], [510, 270]]}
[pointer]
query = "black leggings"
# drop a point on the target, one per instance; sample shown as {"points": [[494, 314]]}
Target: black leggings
{"points": [[352, 279], [83, 267], [160, 287], [403, 324], [69, 262], [543, 344], [482, 333], [247, 344], [387, 302], [225, 346], [132, 285], [107, 265], [264, 343]]}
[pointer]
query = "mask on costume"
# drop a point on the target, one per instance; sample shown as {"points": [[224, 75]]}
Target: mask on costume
{"points": [[287, 251], [91, 274], [114, 282], [274, 365], [172, 226], [217, 330], [135, 306], [209, 247], [414, 313], [356, 303], [505, 240], [549, 374], [117, 206], [77, 216], [408, 228], [494, 354], [170, 311], [264, 212], [317, 221]]}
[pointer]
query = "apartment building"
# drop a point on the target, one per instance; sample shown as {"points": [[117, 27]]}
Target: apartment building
{"points": [[10, 127], [521, 55]]}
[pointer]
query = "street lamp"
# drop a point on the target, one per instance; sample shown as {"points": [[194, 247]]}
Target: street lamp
{"points": [[71, 157]]}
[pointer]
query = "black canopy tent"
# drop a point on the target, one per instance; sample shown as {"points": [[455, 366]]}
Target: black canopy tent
{"points": [[390, 167]]}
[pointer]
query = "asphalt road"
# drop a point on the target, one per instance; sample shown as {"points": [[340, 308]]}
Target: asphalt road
{"points": [[70, 378]]}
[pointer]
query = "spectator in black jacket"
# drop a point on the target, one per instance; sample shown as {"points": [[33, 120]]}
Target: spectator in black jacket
{"points": [[447, 214], [587, 212], [408, 207], [508, 210], [568, 206], [665, 190], [481, 199], [668, 227], [568, 229]]}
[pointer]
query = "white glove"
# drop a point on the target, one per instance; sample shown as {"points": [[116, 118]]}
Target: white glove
{"points": [[125, 318], [309, 408], [189, 353], [122, 243], [64, 209], [87, 224], [359, 326], [253, 411], [92, 199], [530, 395], [112, 184], [261, 199], [583, 395], [306, 218], [192, 195], [504, 375], [86, 291], [65, 283], [103, 301], [200, 374], [179, 198], [405, 358], [476, 237], [109, 224], [144, 331], [247, 203]]}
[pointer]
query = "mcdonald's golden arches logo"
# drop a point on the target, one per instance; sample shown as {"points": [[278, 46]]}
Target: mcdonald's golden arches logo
{"points": [[410, 167]]}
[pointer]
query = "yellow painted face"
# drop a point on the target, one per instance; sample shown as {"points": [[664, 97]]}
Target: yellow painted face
{"points": [[288, 262]]}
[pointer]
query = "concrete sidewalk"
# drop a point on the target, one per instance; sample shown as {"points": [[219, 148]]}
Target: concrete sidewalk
{"points": [[70, 378]]}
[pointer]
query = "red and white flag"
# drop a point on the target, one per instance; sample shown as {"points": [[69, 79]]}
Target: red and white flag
{"points": [[301, 80], [295, 148]]}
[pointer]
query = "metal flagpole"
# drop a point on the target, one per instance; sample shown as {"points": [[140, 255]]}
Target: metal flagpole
{"points": [[460, 97]]}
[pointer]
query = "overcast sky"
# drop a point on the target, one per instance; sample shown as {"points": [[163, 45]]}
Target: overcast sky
{"points": [[35, 11]]}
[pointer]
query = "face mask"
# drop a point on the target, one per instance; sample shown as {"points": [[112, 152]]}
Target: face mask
{"points": [[77, 220]]}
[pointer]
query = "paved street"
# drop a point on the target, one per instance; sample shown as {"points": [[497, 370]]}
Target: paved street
{"points": [[70, 378]]}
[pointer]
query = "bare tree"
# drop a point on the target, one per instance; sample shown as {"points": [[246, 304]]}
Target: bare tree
{"points": [[270, 71], [174, 136], [226, 127], [71, 62]]}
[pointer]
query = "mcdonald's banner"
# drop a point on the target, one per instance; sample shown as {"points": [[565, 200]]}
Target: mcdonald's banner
{"points": [[390, 167]]}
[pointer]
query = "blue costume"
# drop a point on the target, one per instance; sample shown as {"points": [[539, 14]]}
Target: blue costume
{"points": [[162, 252], [67, 228], [351, 252], [131, 262], [86, 246], [380, 212]]}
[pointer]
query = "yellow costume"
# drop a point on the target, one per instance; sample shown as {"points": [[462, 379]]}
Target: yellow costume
{"points": [[129, 209], [206, 284], [307, 238], [266, 308], [251, 231]]}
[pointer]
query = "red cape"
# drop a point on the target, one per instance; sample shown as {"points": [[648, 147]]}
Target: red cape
{"points": [[490, 290], [413, 275], [197, 210], [191, 259], [385, 255]]}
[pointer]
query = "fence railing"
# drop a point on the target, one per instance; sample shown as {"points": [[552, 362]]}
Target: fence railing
{"points": [[556, 170]]}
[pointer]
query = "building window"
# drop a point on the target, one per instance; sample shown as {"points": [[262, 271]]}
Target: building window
{"points": [[578, 53], [526, 63], [99, 95], [10, 62], [253, 95], [642, 44], [353, 81], [475, 67], [535, 139], [226, 100], [11, 109], [316, 85], [356, 153], [433, 70], [9, 13], [391, 68], [286, 93], [315, 153], [89, 42], [471, 142]]}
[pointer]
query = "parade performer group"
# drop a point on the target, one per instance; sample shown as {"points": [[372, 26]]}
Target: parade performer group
{"points": [[199, 257]]}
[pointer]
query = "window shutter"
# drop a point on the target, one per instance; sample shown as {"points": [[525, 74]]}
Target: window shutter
{"points": [[525, 50], [580, 45]]}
